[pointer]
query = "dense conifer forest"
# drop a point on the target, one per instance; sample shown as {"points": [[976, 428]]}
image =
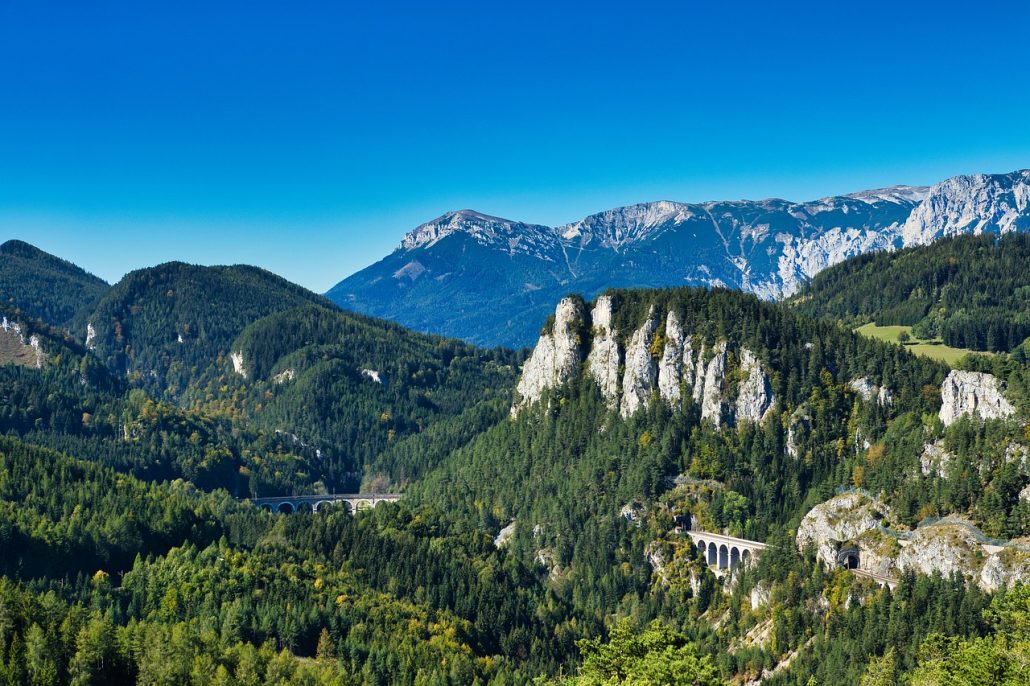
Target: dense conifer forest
{"points": [[969, 291], [131, 556]]}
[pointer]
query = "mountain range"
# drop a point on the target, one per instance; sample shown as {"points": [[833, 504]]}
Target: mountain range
{"points": [[491, 281]]}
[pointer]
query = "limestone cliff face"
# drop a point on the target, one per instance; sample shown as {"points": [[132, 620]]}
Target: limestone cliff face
{"points": [[869, 391], [699, 372], [1004, 567], [934, 459], [754, 397], [944, 548], [670, 368], [800, 422], [555, 357], [972, 393], [641, 375], [711, 396], [846, 517], [603, 360], [629, 373]]}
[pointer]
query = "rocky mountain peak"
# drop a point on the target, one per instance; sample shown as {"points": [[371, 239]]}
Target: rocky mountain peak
{"points": [[485, 229], [976, 203], [619, 226]]}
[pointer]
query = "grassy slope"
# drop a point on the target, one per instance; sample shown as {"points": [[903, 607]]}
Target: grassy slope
{"points": [[933, 350]]}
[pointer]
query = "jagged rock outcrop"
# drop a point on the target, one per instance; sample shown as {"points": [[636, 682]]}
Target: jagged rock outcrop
{"points": [[934, 459], [699, 371], [972, 393], [800, 421], [91, 335], [868, 390], [641, 375], [943, 547], [711, 396], [628, 379], [237, 363], [1005, 567], [372, 374], [504, 535], [754, 397], [840, 519], [603, 360], [670, 368], [555, 357], [284, 376]]}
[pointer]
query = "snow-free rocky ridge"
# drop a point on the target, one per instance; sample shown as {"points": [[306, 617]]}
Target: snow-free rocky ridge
{"points": [[491, 280]]}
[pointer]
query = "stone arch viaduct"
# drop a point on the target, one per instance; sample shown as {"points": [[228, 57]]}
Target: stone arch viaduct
{"points": [[313, 503], [723, 552]]}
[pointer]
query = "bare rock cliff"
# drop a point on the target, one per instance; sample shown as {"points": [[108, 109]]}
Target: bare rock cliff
{"points": [[972, 393], [555, 357]]}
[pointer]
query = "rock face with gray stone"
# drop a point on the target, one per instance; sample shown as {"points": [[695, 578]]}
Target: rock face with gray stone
{"points": [[870, 391], [754, 397], [942, 547], [800, 420], [630, 373], [711, 396], [972, 393], [843, 518], [670, 367], [603, 360], [1005, 567], [641, 375], [555, 357], [934, 459]]}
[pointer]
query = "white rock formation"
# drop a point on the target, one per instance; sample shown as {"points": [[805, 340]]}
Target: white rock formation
{"points": [[711, 398], [91, 335], [845, 517], [372, 374], [974, 204], [699, 372], [504, 535], [554, 358], [972, 393], [1005, 567], [868, 390], [670, 368], [641, 374], [284, 376], [942, 547], [934, 459], [800, 420], [237, 363], [754, 396], [603, 360]]}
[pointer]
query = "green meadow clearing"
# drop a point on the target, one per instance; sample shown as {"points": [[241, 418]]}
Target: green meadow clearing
{"points": [[932, 349]]}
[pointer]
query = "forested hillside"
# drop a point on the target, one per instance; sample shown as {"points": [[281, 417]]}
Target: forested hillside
{"points": [[971, 291], [165, 327], [537, 535], [45, 287]]}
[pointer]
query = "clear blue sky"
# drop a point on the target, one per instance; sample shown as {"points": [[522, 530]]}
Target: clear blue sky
{"points": [[308, 137]]}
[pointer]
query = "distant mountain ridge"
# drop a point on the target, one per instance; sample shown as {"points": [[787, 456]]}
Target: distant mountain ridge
{"points": [[491, 280]]}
